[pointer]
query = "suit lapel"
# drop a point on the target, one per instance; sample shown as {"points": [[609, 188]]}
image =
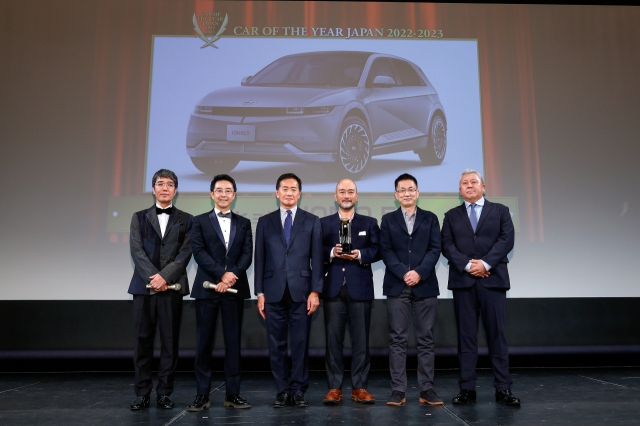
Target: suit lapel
{"points": [[399, 217], [301, 215], [232, 231], [419, 218], [173, 218], [216, 225], [462, 210], [153, 218], [488, 206], [277, 224]]}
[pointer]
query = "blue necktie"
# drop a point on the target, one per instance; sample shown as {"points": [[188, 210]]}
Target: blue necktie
{"points": [[472, 216], [288, 221]]}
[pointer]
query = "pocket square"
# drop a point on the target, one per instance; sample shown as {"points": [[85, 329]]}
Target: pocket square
{"points": [[362, 233]]}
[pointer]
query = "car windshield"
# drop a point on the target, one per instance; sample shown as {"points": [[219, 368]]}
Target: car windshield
{"points": [[312, 70]]}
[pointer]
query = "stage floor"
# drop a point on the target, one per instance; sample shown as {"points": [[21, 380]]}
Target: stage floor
{"points": [[584, 396]]}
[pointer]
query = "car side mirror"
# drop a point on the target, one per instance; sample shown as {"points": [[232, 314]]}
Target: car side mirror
{"points": [[383, 81], [245, 80]]}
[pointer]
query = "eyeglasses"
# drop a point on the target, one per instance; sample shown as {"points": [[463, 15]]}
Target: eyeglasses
{"points": [[165, 184], [409, 191], [351, 192], [223, 191]]}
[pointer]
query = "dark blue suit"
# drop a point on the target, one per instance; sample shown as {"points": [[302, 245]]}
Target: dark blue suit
{"points": [[472, 296], [347, 294], [168, 256], [214, 260], [287, 274], [403, 252]]}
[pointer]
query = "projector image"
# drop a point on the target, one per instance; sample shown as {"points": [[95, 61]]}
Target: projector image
{"points": [[333, 108]]}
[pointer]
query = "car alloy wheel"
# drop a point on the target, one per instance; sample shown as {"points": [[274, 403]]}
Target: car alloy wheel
{"points": [[437, 147], [355, 146]]}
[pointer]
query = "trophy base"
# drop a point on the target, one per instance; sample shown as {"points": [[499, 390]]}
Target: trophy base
{"points": [[347, 249]]}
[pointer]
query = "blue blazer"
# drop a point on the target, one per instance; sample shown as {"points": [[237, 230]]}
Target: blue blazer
{"points": [[213, 258], [492, 242], [365, 236], [299, 264], [402, 252], [152, 254]]}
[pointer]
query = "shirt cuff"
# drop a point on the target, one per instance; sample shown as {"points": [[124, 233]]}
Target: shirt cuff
{"points": [[259, 294]]}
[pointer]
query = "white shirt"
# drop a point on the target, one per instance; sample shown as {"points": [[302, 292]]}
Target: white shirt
{"points": [[479, 205], [163, 219], [225, 226]]}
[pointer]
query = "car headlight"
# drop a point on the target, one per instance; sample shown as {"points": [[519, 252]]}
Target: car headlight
{"points": [[309, 110]]}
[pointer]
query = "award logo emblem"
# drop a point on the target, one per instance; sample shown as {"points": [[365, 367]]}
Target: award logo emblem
{"points": [[209, 21], [344, 234]]}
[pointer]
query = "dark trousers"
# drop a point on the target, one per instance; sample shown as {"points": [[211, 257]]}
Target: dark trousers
{"points": [[339, 311], [206, 317], [490, 303], [399, 310], [289, 318], [164, 311]]}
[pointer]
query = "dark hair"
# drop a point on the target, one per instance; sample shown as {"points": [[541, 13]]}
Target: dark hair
{"points": [[164, 173], [289, 176], [405, 176], [218, 178]]}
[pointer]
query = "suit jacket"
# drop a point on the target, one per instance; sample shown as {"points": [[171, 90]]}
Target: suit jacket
{"points": [[299, 264], [152, 254], [365, 236], [214, 259], [492, 242], [402, 252]]}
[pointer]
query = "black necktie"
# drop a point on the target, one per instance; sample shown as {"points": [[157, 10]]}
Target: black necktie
{"points": [[168, 210], [225, 215]]}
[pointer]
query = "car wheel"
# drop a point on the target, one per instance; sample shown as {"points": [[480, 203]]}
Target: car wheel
{"points": [[354, 146], [214, 166], [437, 144]]}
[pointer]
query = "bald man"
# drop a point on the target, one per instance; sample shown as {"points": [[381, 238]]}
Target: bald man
{"points": [[348, 293]]}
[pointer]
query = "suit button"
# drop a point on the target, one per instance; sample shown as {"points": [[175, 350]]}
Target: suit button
{"points": [[409, 251], [342, 269]]}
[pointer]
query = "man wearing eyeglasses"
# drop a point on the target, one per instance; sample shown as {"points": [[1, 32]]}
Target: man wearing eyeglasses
{"points": [[410, 244], [222, 246], [160, 249]]}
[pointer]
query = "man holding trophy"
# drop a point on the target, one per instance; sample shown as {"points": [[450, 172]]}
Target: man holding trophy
{"points": [[351, 243]]}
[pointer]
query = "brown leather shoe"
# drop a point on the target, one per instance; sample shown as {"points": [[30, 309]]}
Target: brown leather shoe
{"points": [[362, 396], [333, 397]]}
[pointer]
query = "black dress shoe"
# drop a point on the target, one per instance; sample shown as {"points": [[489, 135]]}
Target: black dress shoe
{"points": [[236, 401], [200, 403], [282, 400], [465, 396], [505, 397], [299, 400], [140, 402], [164, 401]]}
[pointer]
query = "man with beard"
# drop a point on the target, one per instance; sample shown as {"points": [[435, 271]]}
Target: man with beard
{"points": [[348, 293]]}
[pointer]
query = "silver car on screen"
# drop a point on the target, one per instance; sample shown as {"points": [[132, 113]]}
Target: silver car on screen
{"points": [[337, 109]]}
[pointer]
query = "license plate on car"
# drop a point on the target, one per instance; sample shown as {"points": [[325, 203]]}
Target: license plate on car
{"points": [[241, 132]]}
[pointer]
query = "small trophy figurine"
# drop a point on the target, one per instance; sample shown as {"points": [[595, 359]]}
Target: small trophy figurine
{"points": [[345, 236]]}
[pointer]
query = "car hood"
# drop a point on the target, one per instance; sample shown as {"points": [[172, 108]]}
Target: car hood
{"points": [[261, 96]]}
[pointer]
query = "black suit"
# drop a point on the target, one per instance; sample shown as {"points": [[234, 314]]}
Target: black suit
{"points": [[348, 294], [287, 274], [214, 260], [168, 256], [402, 252], [491, 242]]}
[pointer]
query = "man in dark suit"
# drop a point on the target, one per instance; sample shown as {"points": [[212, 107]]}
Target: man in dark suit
{"points": [[410, 241], [160, 241], [288, 281], [477, 236], [348, 293], [222, 245]]}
